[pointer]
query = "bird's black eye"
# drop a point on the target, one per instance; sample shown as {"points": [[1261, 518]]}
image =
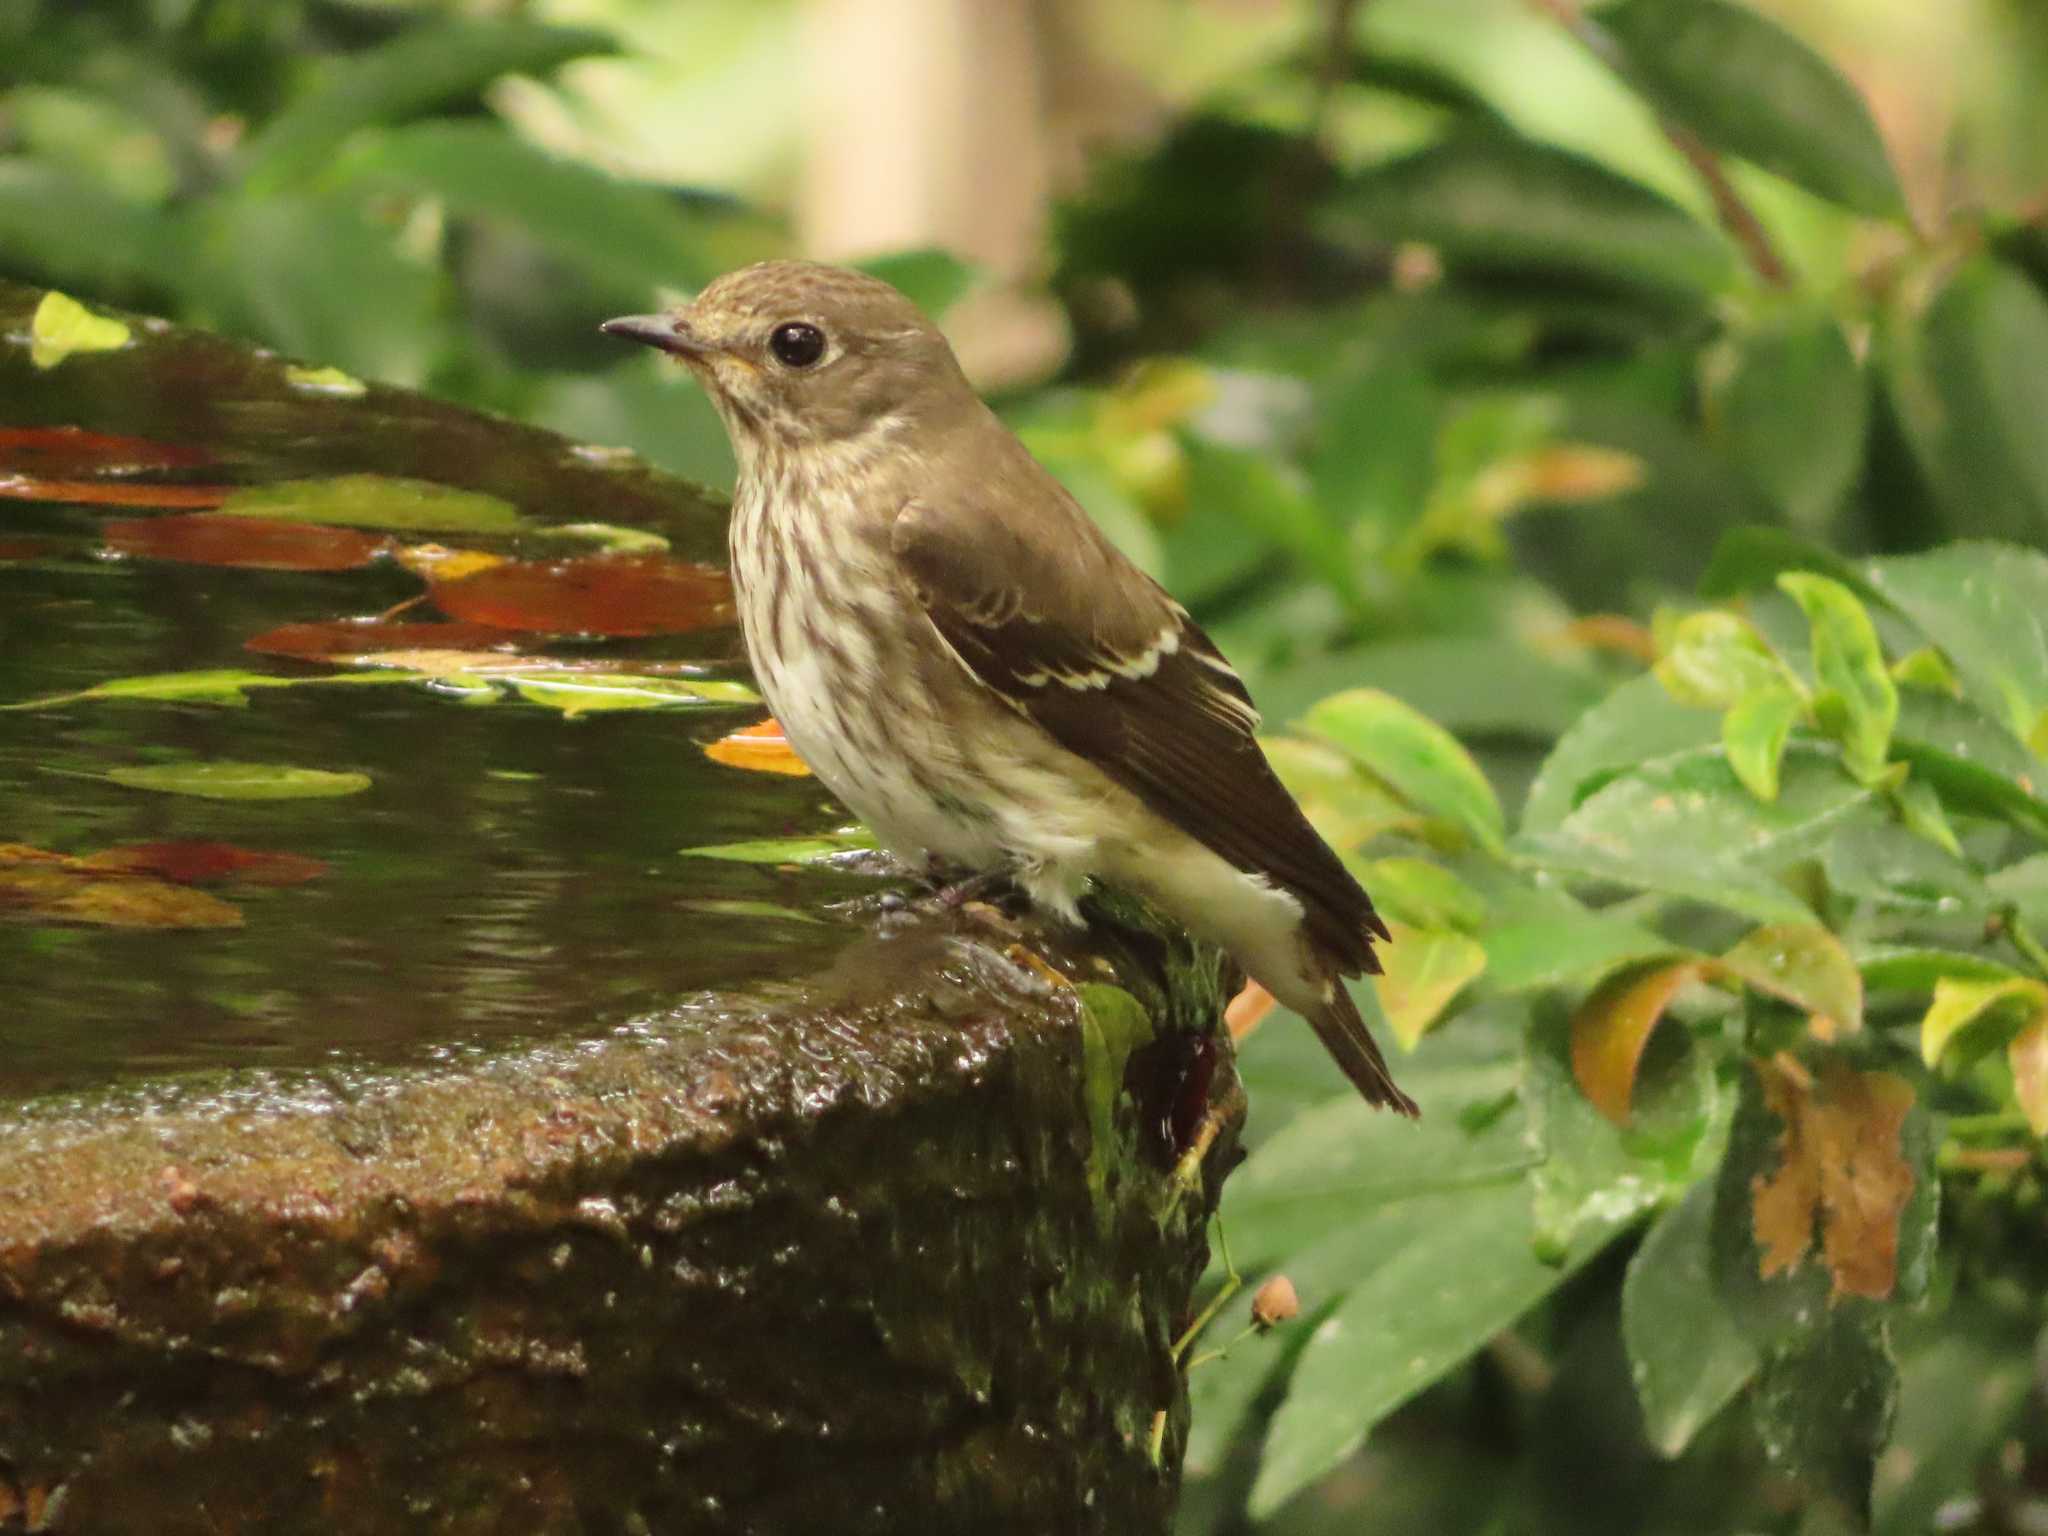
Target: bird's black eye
{"points": [[797, 344]]}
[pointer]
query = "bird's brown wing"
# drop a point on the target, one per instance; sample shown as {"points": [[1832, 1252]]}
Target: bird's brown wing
{"points": [[1054, 620]]}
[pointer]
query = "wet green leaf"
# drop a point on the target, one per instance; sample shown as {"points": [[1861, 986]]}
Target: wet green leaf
{"points": [[378, 501], [1751, 559], [1418, 758], [222, 780], [222, 686], [63, 326], [1986, 606], [1973, 763], [1565, 951], [1824, 1407], [1636, 722], [1750, 88], [1848, 666], [1805, 965], [1687, 1355], [1430, 1296], [1348, 807], [1686, 826], [609, 536], [1913, 968], [1754, 733], [1494, 202], [787, 850]]}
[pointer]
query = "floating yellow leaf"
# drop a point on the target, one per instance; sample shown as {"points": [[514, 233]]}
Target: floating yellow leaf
{"points": [[437, 562], [63, 326]]}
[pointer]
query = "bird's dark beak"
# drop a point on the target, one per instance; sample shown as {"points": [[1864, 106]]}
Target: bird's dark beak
{"points": [[668, 333]]}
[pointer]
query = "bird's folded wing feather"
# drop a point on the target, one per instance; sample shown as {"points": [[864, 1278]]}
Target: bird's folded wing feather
{"points": [[1065, 630]]}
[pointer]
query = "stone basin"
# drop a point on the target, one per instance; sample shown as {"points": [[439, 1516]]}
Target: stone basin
{"points": [[518, 1171]]}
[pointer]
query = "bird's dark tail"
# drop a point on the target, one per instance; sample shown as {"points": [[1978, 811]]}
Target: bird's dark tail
{"points": [[1345, 1036]]}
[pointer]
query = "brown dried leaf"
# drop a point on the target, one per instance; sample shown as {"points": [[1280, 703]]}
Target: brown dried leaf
{"points": [[43, 893], [1841, 1166], [69, 450], [2028, 1054], [111, 493], [246, 543], [596, 595]]}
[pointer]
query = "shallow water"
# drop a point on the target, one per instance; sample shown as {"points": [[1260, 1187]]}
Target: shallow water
{"points": [[511, 875]]}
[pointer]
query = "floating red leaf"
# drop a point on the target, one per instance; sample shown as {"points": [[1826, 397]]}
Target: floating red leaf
{"points": [[27, 549], [112, 493], [251, 543], [56, 451], [344, 639], [596, 595], [198, 863]]}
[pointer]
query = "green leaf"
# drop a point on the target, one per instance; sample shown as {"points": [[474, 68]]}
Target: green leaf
{"points": [[1909, 968], [1566, 951], [1424, 1306], [69, 230], [1959, 1003], [787, 850], [1986, 606], [1495, 203], [1637, 721], [1970, 760], [1805, 965], [222, 686], [1266, 500], [63, 326], [1716, 658], [331, 382], [1113, 1024], [1754, 733], [378, 501], [627, 233], [1848, 666], [222, 780], [583, 693], [1964, 1377], [1750, 88], [427, 66], [1423, 971], [314, 277], [1422, 894], [1969, 391], [1422, 761], [1593, 1175], [1686, 826], [1874, 857], [1687, 1354], [1750, 559], [933, 280], [1793, 415], [1824, 1408], [1348, 808]]}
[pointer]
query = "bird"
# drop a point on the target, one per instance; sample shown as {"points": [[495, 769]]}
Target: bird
{"points": [[971, 666]]}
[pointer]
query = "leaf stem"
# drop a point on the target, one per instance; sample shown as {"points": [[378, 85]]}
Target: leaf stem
{"points": [[1233, 1282], [1736, 216]]}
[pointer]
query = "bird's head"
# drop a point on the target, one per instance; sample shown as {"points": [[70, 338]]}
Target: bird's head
{"points": [[795, 353]]}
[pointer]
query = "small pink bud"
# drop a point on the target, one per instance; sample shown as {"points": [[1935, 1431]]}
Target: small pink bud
{"points": [[1275, 1303]]}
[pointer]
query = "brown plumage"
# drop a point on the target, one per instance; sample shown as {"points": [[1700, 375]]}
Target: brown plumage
{"points": [[968, 662]]}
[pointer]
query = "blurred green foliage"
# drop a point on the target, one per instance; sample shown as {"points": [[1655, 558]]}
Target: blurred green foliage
{"points": [[1601, 523]]}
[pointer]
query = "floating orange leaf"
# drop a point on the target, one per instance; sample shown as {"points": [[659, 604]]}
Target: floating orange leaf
{"points": [[43, 889], [595, 595], [1840, 1166], [1614, 1024], [1247, 1010], [248, 543], [203, 863], [111, 493], [761, 747], [68, 450], [352, 639]]}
